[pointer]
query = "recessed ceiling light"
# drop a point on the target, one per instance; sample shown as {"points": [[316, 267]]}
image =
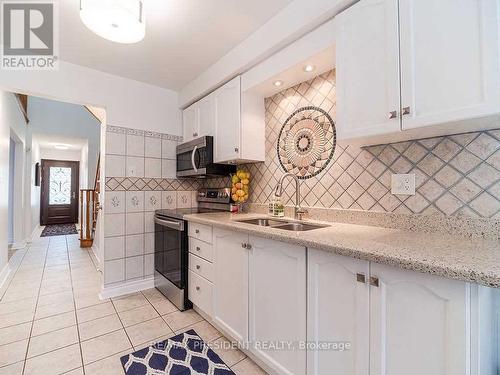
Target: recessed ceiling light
{"points": [[278, 83], [120, 21], [61, 147], [309, 68]]}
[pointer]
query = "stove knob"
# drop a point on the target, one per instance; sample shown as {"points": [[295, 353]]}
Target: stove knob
{"points": [[201, 194]]}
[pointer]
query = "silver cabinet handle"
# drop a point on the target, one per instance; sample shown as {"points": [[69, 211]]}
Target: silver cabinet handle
{"points": [[393, 114], [360, 278], [195, 134], [374, 281], [198, 248], [236, 149], [198, 267], [406, 111], [197, 231], [249, 247], [244, 245], [197, 288]]}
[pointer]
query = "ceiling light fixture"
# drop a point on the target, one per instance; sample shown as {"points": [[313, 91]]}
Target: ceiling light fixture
{"points": [[309, 68], [278, 83], [61, 147], [120, 21]]}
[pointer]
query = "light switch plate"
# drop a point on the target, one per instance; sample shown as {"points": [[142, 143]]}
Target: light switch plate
{"points": [[403, 184]]}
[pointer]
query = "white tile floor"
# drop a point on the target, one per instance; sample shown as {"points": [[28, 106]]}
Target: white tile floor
{"points": [[53, 322]]}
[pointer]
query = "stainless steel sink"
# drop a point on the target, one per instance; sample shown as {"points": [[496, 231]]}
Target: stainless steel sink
{"points": [[264, 222], [299, 227], [284, 224]]}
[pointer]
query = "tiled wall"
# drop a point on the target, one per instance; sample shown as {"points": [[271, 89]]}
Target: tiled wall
{"points": [[457, 174], [140, 178]]}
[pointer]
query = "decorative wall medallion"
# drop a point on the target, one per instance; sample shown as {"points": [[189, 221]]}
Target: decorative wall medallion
{"points": [[306, 142]]}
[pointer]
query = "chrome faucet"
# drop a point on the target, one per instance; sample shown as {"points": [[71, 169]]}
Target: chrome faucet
{"points": [[299, 211]]}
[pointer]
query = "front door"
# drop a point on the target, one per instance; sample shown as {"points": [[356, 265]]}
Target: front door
{"points": [[59, 192]]}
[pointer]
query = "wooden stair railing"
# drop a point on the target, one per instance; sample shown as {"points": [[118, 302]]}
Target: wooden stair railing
{"points": [[89, 210]]}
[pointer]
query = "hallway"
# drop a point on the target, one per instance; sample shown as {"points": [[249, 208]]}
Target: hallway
{"points": [[53, 322]]}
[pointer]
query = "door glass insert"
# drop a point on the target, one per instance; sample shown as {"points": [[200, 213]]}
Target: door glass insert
{"points": [[59, 185]]}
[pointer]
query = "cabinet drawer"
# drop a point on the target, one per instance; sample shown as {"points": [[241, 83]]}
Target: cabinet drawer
{"points": [[200, 292], [200, 232], [200, 248], [201, 267]]}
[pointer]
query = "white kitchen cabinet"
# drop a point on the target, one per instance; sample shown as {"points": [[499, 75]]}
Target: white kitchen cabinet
{"points": [[417, 68], [206, 107], [338, 311], [231, 283], [277, 300], [228, 121], [367, 71], [199, 119], [449, 59], [418, 324], [190, 120], [396, 321]]}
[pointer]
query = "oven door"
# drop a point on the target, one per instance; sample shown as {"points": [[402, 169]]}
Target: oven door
{"points": [[171, 251]]}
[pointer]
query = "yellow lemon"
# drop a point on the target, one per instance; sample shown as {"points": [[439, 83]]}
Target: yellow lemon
{"points": [[235, 179], [240, 193], [245, 181], [234, 197], [242, 199], [238, 186]]}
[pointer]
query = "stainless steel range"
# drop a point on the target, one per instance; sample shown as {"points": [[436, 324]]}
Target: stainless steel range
{"points": [[172, 247]]}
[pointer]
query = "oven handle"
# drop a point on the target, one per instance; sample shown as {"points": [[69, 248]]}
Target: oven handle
{"points": [[192, 159], [177, 225]]}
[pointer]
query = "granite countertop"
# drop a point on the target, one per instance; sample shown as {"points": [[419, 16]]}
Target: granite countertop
{"points": [[474, 260]]}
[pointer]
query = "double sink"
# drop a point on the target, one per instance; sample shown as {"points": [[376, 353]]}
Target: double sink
{"points": [[289, 225]]}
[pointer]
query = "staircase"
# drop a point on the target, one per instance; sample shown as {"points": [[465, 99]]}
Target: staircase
{"points": [[89, 209]]}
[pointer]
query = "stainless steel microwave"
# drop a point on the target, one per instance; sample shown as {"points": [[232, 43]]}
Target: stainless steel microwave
{"points": [[196, 159]]}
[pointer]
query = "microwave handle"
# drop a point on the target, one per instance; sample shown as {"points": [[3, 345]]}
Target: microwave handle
{"points": [[192, 159]]}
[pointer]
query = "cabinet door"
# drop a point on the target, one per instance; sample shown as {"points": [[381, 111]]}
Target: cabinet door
{"points": [[419, 324], [190, 117], [449, 60], [227, 121], [368, 70], [231, 283], [337, 311], [207, 116], [278, 303]]}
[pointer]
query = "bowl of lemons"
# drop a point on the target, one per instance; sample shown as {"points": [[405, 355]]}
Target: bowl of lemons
{"points": [[240, 186]]}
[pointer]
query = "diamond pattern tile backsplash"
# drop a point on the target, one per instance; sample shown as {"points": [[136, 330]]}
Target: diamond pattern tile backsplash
{"points": [[455, 175]]}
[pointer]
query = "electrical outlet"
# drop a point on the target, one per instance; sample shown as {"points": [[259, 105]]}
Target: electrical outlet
{"points": [[403, 184]]}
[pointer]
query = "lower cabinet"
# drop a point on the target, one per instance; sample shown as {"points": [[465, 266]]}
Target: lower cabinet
{"points": [[397, 321], [277, 303], [338, 313], [231, 283], [419, 324]]}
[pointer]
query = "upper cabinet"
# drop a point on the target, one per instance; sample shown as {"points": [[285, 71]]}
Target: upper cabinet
{"points": [[236, 120], [408, 64], [199, 119], [368, 69], [449, 60]]}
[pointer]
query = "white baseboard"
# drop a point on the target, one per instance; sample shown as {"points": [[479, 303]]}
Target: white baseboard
{"points": [[95, 251], [128, 287], [35, 232], [4, 274]]}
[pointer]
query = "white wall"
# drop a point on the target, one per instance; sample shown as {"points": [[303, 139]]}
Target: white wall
{"points": [[50, 117], [128, 103], [10, 116], [33, 217]]}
